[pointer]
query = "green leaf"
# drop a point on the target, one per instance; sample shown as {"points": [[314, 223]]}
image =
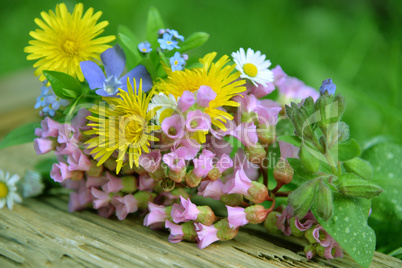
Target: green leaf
{"points": [[300, 170], [386, 161], [130, 47], [69, 111], [44, 166], [345, 150], [194, 65], [294, 140], [193, 41], [163, 58], [20, 135], [63, 84], [154, 24], [348, 226]]}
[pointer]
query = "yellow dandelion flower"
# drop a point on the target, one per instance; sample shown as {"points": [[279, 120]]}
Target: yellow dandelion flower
{"points": [[217, 76], [122, 125], [65, 39]]}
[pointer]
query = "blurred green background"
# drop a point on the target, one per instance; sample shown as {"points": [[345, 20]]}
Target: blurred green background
{"points": [[356, 43]]}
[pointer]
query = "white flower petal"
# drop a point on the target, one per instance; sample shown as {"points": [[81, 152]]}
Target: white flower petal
{"points": [[14, 179], [2, 202]]}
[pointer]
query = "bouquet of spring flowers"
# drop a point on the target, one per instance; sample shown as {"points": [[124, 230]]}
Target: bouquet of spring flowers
{"points": [[200, 147]]}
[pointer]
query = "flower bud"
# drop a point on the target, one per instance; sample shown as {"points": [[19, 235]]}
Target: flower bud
{"points": [[143, 198], [127, 170], [352, 185], [255, 153], [256, 214], [206, 215], [129, 183], [177, 176], [310, 251], [189, 233], [77, 175], [270, 222], [359, 167], [214, 174], [224, 230], [258, 192], [158, 175], [94, 169], [110, 164], [192, 180], [232, 200], [167, 184], [310, 162], [309, 235], [248, 117], [266, 134], [295, 231], [324, 202], [283, 172], [302, 198]]}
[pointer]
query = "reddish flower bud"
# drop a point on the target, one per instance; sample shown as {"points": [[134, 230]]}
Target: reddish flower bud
{"points": [[283, 172], [258, 193], [256, 214], [224, 230], [192, 180], [206, 215]]}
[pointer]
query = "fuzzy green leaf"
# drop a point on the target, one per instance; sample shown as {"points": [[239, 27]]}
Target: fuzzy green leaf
{"points": [[294, 140], [348, 226], [386, 161], [346, 150], [20, 135]]}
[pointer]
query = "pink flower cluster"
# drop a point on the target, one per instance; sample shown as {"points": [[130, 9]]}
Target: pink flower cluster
{"points": [[321, 242]]}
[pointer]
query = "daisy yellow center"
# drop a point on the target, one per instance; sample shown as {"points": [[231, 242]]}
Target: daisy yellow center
{"points": [[3, 190], [250, 69], [70, 47]]}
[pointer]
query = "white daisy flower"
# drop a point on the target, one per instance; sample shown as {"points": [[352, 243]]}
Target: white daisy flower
{"points": [[8, 190], [163, 101], [253, 66]]}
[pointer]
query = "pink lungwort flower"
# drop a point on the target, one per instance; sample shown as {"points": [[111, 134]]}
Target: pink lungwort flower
{"points": [[305, 223], [333, 251], [187, 148], [186, 211], [80, 121], [186, 101], [197, 120], [49, 128], [173, 127], [211, 189], [239, 184], [113, 185], [283, 222], [124, 205], [101, 199], [288, 150], [321, 236], [203, 164], [151, 162], [176, 232], [206, 235], [236, 216], [224, 163], [146, 183], [205, 95], [43, 145], [60, 172], [246, 133], [260, 90], [174, 161], [157, 214], [78, 161]]}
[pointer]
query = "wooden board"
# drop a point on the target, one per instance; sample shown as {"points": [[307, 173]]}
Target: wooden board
{"points": [[42, 233]]}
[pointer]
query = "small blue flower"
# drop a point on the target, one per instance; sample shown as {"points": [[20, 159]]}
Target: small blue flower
{"points": [[327, 86], [114, 61], [167, 43], [45, 92], [145, 47], [177, 62], [175, 34], [54, 102]]}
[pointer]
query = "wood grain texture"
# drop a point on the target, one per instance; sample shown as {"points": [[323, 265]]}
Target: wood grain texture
{"points": [[42, 233]]}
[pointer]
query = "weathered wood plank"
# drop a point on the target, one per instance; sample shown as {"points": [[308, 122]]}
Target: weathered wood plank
{"points": [[42, 232]]}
